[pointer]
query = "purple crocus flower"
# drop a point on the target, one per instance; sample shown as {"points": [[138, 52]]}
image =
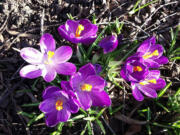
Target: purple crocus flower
{"points": [[57, 105], [148, 86], [152, 53], [48, 62], [109, 43], [82, 31], [89, 87], [134, 69]]}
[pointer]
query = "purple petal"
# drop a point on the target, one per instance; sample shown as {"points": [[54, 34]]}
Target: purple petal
{"points": [[151, 63], [87, 70], [30, 71], [62, 54], [48, 105], [31, 55], [122, 73], [162, 60], [96, 81], [66, 68], [160, 84], [88, 40], [51, 119], [63, 115], [109, 43], [136, 93], [146, 45], [66, 85], [153, 74], [148, 91], [100, 99], [47, 93], [49, 73], [47, 43], [98, 68], [84, 99], [74, 106], [71, 26], [76, 80]]}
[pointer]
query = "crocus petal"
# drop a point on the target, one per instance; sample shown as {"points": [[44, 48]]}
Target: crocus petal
{"points": [[31, 55], [30, 71], [73, 105], [71, 26], [49, 73], [153, 74], [88, 40], [63, 115], [51, 119], [136, 93], [87, 70], [148, 91], [162, 60], [66, 85], [122, 73], [66, 68], [109, 43], [100, 99], [62, 54], [48, 105], [47, 93], [152, 64], [98, 68], [84, 99], [76, 80], [96, 81], [160, 84], [63, 32], [47, 43], [146, 45]]}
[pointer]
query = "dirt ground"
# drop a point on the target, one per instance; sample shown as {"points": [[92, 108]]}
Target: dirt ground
{"points": [[22, 23]]}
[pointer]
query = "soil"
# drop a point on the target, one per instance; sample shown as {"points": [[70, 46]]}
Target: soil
{"points": [[22, 23]]}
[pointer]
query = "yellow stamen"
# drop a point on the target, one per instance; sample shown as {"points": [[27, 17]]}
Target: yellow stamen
{"points": [[50, 55], [86, 87], [152, 81], [149, 55], [137, 68], [79, 29], [59, 105], [148, 81], [144, 83]]}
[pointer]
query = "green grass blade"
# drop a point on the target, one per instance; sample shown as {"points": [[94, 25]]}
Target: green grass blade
{"points": [[161, 93], [101, 126], [90, 131], [100, 113], [30, 105], [26, 114]]}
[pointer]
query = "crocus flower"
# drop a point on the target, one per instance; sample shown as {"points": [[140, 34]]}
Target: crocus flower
{"points": [[57, 105], [48, 62], [82, 31], [109, 43], [134, 69], [148, 86], [89, 87], [152, 53]]}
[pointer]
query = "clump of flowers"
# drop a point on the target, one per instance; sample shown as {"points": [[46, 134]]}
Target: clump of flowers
{"points": [[48, 62], [136, 69]]}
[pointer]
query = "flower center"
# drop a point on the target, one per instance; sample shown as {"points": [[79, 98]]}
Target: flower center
{"points": [[59, 105], [79, 29], [149, 55], [50, 55], [137, 68], [148, 81], [86, 87]]}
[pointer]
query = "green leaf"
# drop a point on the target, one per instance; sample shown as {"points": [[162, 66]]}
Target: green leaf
{"points": [[30, 105], [90, 131], [101, 126], [161, 93], [29, 115], [100, 113], [77, 117], [90, 118]]}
